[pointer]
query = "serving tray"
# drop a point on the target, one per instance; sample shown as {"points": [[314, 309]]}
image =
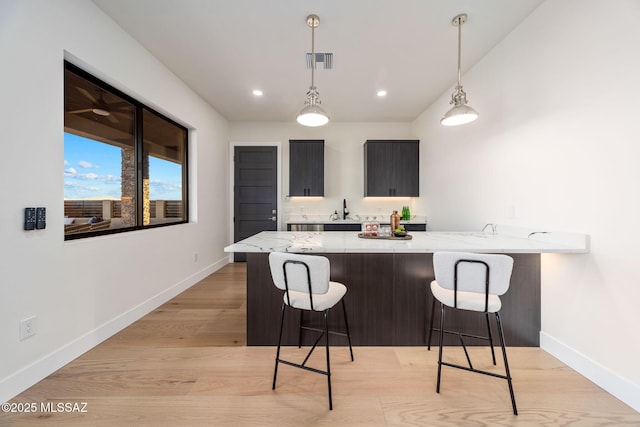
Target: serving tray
{"points": [[391, 237]]}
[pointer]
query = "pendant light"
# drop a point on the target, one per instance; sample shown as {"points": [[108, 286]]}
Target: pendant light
{"points": [[461, 113], [312, 114]]}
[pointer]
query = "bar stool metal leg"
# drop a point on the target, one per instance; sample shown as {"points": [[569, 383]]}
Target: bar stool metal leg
{"points": [[275, 370], [493, 353], [326, 332], [506, 364], [433, 310], [440, 347]]}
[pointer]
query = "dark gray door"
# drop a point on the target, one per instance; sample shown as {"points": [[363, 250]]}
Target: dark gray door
{"points": [[254, 193]]}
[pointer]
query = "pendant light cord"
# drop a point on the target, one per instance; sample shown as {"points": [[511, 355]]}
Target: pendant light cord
{"points": [[313, 53], [459, 46]]}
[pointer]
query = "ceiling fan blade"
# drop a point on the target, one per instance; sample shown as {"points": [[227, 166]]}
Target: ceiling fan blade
{"points": [[85, 110], [87, 94]]}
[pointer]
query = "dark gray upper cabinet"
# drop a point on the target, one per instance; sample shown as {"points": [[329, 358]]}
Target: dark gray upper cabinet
{"points": [[306, 167], [392, 168]]}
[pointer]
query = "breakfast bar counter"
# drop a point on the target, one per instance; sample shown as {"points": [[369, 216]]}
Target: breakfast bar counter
{"points": [[388, 299]]}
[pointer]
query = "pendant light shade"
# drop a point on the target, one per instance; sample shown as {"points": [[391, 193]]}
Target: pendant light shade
{"points": [[461, 113], [312, 114]]}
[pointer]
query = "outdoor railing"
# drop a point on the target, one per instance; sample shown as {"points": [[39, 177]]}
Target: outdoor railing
{"points": [[113, 208]]}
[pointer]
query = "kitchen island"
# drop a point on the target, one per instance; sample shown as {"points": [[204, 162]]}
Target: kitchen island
{"points": [[388, 299]]}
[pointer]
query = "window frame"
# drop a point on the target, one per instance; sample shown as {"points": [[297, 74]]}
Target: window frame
{"points": [[139, 153]]}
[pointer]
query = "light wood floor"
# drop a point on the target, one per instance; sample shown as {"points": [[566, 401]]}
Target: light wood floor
{"points": [[186, 364]]}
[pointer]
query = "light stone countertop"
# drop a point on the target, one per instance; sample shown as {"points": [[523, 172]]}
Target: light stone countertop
{"points": [[427, 241]]}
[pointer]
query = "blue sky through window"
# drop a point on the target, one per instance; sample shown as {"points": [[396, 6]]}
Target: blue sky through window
{"points": [[92, 170]]}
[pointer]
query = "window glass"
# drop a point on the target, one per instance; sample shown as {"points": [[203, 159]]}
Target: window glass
{"points": [[99, 160], [163, 171], [124, 164]]}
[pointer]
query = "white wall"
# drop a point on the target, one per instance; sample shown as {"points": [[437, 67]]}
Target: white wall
{"points": [[85, 290], [556, 147], [344, 163]]}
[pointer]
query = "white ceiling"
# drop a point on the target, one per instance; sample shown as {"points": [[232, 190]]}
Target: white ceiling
{"points": [[225, 49]]}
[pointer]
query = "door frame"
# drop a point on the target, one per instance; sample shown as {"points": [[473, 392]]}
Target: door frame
{"points": [[232, 146]]}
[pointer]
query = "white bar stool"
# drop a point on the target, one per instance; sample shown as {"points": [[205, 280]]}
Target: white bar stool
{"points": [[472, 282], [307, 287]]}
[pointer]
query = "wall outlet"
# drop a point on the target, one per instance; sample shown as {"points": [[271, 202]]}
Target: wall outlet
{"points": [[27, 327]]}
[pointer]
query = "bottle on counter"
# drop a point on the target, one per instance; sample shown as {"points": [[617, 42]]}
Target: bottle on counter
{"points": [[406, 215], [395, 220]]}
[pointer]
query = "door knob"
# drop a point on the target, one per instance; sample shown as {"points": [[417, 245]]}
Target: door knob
{"points": [[273, 218]]}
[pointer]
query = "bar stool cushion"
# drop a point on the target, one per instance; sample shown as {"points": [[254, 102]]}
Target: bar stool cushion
{"points": [[466, 300], [321, 302]]}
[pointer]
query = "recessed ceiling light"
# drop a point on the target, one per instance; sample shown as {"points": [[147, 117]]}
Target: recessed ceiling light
{"points": [[257, 92], [381, 93]]}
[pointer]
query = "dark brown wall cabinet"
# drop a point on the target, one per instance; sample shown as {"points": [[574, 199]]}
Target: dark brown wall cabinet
{"points": [[306, 167], [391, 168]]}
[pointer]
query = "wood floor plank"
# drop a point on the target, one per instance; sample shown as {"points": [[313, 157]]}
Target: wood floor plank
{"points": [[186, 364]]}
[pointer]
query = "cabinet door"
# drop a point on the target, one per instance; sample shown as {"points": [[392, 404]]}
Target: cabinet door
{"points": [[306, 168], [391, 168], [378, 169], [406, 173]]}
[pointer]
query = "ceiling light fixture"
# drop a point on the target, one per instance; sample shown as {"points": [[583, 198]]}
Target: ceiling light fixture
{"points": [[312, 114], [381, 93], [461, 113], [257, 92]]}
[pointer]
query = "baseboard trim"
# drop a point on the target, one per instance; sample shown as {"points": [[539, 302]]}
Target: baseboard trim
{"points": [[623, 389], [26, 377]]}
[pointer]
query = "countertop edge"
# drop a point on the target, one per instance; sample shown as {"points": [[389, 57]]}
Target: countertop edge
{"points": [[423, 242]]}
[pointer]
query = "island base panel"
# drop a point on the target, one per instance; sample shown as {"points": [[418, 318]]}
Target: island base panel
{"points": [[388, 303]]}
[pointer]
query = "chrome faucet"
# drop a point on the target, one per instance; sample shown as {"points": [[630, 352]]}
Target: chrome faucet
{"points": [[345, 211], [494, 228], [537, 232]]}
